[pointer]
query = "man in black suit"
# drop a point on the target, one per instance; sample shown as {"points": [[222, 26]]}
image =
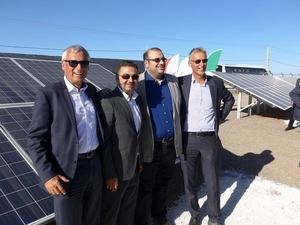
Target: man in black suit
{"points": [[292, 119], [295, 97], [161, 93], [65, 140], [125, 116], [201, 115]]}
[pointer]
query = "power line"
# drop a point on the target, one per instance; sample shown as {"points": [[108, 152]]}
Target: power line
{"points": [[60, 49]]}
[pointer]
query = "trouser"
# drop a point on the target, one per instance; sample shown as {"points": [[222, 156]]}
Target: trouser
{"points": [[119, 207], [207, 147], [82, 203], [153, 186]]}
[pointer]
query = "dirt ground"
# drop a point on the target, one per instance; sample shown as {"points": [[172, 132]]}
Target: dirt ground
{"points": [[259, 145]]}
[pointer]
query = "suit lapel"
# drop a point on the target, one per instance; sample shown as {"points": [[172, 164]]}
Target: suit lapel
{"points": [[213, 90], [122, 102], [186, 86], [67, 103]]}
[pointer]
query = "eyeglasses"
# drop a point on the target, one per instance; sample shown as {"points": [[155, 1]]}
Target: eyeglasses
{"points": [[199, 61], [157, 60], [74, 63], [127, 76]]}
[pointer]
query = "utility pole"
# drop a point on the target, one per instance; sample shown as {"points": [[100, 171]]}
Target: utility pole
{"points": [[268, 60]]}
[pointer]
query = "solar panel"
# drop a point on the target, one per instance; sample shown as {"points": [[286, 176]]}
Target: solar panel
{"points": [[289, 79], [15, 85], [265, 88], [22, 200], [101, 77], [50, 71]]}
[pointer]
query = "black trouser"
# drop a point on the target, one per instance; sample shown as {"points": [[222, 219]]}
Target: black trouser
{"points": [[119, 207], [154, 183], [207, 147], [82, 203], [291, 121]]}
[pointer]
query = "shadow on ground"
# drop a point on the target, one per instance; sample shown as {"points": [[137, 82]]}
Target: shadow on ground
{"points": [[245, 168], [249, 164]]}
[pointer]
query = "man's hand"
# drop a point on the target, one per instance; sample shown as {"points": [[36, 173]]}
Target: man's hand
{"points": [[112, 184], [141, 167], [55, 185]]}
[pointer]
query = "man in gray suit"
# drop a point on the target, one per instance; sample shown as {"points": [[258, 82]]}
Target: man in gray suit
{"points": [[126, 117], [162, 94], [201, 115], [65, 140]]}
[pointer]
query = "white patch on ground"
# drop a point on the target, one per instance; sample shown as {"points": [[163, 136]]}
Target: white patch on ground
{"points": [[246, 201], [295, 124]]}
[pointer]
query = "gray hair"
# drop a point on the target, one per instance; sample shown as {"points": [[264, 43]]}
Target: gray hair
{"points": [[198, 49], [75, 48]]}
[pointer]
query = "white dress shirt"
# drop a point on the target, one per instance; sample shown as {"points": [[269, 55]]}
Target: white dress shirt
{"points": [[86, 120], [135, 110]]}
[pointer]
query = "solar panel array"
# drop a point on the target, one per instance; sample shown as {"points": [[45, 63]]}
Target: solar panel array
{"points": [[22, 200], [50, 71], [266, 88], [15, 85]]}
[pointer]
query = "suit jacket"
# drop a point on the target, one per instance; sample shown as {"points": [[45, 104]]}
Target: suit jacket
{"points": [[298, 82], [176, 102], [295, 97], [218, 93], [125, 146], [53, 140]]}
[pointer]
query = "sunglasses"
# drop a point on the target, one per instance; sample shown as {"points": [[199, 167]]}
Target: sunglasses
{"points": [[74, 63], [157, 60], [127, 76], [199, 61]]}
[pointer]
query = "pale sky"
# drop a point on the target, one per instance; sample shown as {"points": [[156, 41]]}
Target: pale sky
{"points": [[125, 29]]}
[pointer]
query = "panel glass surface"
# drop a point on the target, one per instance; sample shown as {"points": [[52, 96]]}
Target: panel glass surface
{"points": [[50, 71], [266, 88], [16, 86], [22, 200]]}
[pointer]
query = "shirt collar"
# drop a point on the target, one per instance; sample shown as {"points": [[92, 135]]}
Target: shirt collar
{"points": [[196, 82], [148, 76], [126, 96], [72, 88]]}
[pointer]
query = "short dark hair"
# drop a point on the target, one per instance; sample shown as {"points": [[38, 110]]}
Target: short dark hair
{"points": [[128, 63], [145, 55]]}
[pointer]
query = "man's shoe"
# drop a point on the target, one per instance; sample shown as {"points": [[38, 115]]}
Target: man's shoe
{"points": [[214, 222], [195, 221], [289, 128]]}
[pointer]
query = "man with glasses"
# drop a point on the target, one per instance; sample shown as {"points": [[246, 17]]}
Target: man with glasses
{"points": [[201, 115], [126, 117], [162, 94], [65, 140]]}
